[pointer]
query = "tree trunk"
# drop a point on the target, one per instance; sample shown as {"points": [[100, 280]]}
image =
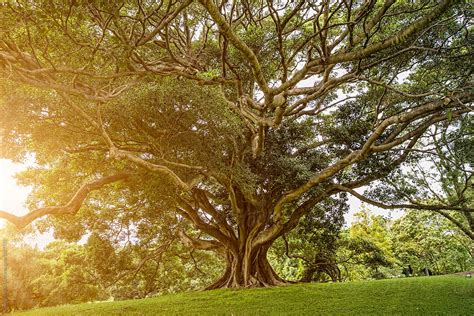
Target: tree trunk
{"points": [[308, 274], [248, 269], [246, 260]]}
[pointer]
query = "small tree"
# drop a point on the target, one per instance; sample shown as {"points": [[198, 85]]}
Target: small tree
{"points": [[312, 247], [366, 246]]}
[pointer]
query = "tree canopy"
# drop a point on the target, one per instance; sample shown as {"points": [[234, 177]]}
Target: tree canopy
{"points": [[222, 122]]}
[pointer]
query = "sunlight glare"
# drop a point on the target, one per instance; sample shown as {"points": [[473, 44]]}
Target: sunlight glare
{"points": [[13, 199]]}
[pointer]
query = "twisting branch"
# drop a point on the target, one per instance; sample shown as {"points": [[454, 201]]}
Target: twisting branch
{"points": [[400, 37], [226, 30], [216, 232], [463, 228], [123, 154], [164, 22], [72, 207], [403, 119], [359, 54], [415, 206], [360, 154], [201, 244]]}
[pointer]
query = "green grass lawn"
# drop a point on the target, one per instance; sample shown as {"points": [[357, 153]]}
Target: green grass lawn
{"points": [[438, 295]]}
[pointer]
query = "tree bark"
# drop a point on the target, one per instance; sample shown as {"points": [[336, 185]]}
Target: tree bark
{"points": [[248, 269]]}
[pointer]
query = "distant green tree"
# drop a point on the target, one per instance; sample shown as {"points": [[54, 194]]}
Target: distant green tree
{"points": [[63, 276], [308, 253], [65, 273], [365, 249], [22, 270], [430, 242]]}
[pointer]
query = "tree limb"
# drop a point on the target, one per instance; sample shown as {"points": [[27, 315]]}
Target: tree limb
{"points": [[415, 206], [72, 207]]}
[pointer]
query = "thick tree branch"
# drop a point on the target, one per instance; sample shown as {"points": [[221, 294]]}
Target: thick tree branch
{"points": [[365, 52], [464, 229], [201, 244], [226, 30], [71, 207], [360, 154], [123, 154], [217, 232], [416, 206], [396, 39]]}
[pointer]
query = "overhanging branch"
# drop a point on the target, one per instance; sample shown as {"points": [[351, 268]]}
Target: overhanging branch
{"points": [[72, 207], [124, 154], [416, 206], [200, 244], [226, 30]]}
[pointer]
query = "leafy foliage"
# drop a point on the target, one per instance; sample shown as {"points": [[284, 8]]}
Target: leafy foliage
{"points": [[222, 124]]}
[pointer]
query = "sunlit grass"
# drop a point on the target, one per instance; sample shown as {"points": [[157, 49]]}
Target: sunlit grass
{"points": [[440, 295]]}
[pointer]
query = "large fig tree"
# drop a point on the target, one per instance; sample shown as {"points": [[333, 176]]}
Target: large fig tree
{"points": [[232, 119]]}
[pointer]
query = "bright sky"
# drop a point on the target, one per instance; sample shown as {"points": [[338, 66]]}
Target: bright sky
{"points": [[355, 205], [12, 196], [13, 200]]}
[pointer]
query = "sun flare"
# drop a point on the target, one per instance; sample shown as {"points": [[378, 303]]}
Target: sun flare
{"points": [[12, 196]]}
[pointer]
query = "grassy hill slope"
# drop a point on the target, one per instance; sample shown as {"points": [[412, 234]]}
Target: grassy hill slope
{"points": [[445, 295]]}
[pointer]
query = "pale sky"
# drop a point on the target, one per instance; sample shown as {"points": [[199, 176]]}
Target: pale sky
{"points": [[12, 196], [13, 200]]}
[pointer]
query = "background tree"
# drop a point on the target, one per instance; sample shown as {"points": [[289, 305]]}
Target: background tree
{"points": [[21, 292], [431, 243], [227, 120], [308, 253], [367, 247], [420, 241], [68, 273]]}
